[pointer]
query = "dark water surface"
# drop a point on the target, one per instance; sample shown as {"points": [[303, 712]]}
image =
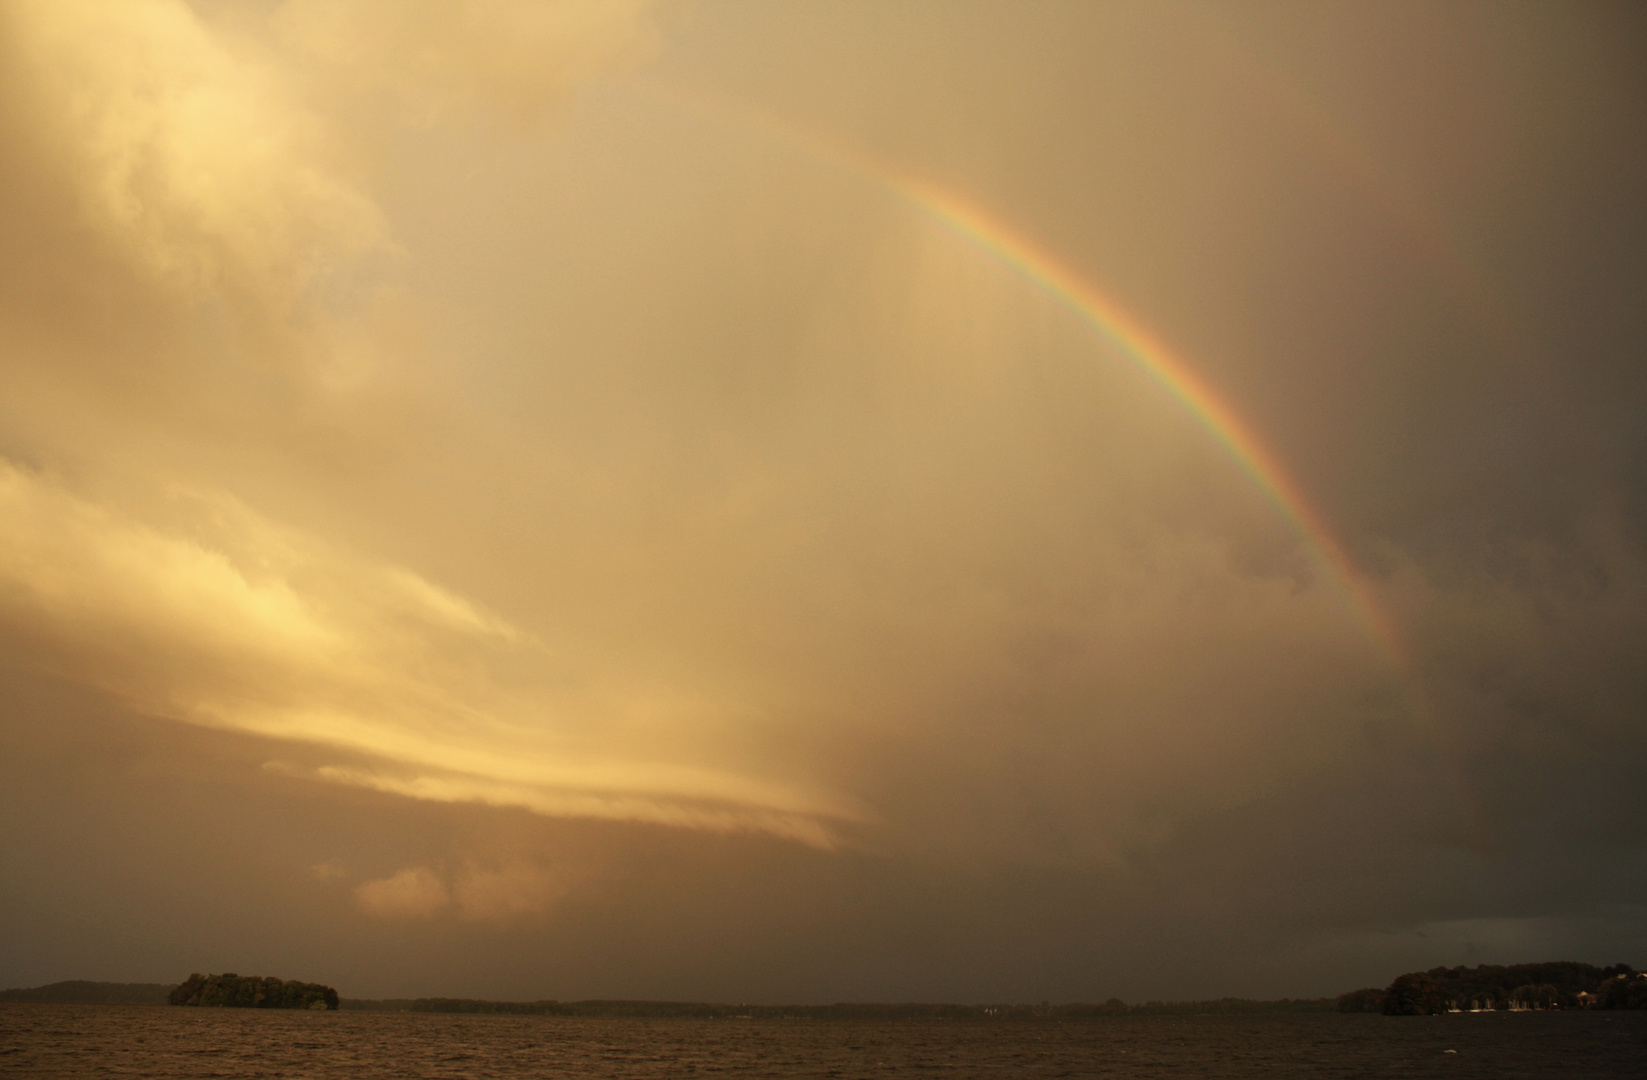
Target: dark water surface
{"points": [[135, 1040]]}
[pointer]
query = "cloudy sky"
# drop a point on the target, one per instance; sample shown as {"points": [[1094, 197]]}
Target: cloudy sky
{"points": [[821, 501]]}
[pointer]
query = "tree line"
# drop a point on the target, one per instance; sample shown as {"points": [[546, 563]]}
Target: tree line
{"points": [[1555, 985]]}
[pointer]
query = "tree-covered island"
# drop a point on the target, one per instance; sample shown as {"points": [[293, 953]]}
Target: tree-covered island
{"points": [[1499, 988], [252, 992]]}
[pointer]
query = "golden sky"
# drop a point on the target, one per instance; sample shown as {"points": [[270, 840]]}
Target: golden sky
{"points": [[539, 498]]}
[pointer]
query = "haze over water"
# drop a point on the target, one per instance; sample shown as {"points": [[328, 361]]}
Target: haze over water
{"points": [[820, 501]]}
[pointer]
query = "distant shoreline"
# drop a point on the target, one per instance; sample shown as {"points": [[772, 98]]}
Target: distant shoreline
{"points": [[81, 992], [836, 1011], [1556, 985]]}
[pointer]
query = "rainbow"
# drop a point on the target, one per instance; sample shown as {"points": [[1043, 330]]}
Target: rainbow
{"points": [[987, 232], [1152, 356]]}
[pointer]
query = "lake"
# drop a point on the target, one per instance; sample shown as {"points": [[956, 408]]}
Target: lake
{"points": [[137, 1041]]}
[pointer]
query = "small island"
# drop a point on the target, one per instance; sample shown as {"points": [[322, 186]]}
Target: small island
{"points": [[252, 992]]}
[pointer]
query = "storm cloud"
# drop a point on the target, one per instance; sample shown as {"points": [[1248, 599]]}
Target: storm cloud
{"points": [[532, 500]]}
